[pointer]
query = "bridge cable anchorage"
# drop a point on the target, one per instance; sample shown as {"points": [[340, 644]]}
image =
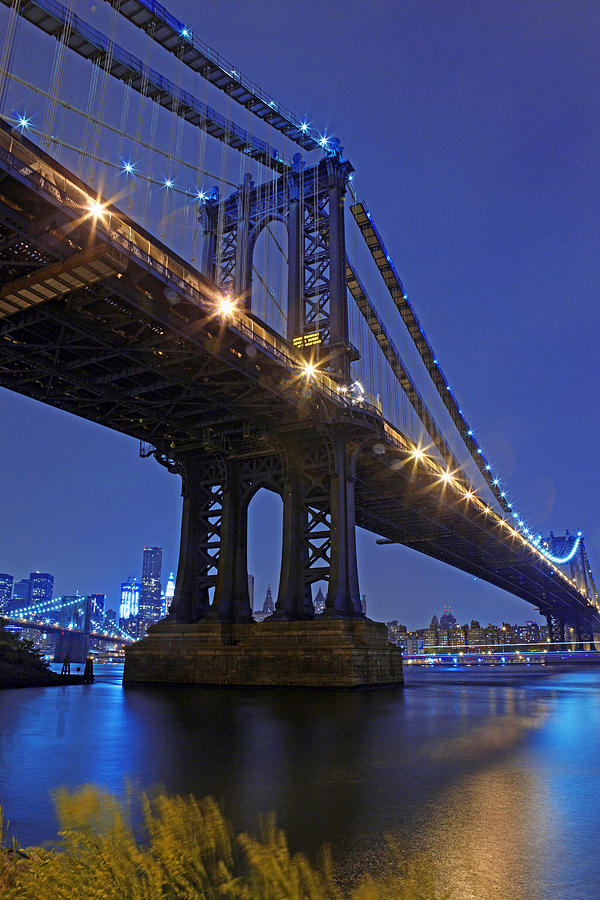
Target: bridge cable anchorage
{"points": [[179, 39], [125, 67]]}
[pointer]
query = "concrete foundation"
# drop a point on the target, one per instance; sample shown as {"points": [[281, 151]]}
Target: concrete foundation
{"points": [[322, 653]]}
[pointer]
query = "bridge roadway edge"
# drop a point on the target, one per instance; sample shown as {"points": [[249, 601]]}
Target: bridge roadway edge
{"points": [[325, 653]]}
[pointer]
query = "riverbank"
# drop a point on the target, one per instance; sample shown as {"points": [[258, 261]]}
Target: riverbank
{"points": [[17, 675]]}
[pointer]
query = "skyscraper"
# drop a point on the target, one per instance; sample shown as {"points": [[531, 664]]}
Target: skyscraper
{"points": [[22, 593], [97, 604], [268, 606], [150, 588], [6, 585], [130, 599], [42, 585], [168, 595], [447, 620]]}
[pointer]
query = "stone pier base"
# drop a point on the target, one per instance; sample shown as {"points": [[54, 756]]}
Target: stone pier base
{"points": [[323, 653]]}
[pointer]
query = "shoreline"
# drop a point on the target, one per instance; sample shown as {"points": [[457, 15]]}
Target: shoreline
{"points": [[16, 676]]}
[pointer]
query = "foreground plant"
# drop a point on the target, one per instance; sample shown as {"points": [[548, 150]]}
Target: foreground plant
{"points": [[189, 850]]}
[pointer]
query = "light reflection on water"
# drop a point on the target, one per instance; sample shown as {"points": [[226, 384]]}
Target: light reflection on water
{"points": [[492, 774]]}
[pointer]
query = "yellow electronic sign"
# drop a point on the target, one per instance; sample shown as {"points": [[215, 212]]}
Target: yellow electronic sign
{"points": [[307, 340]]}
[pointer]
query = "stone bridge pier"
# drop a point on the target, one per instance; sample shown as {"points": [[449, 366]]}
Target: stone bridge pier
{"points": [[209, 635]]}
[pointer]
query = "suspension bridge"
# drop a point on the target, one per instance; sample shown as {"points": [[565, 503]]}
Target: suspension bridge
{"points": [[70, 621], [186, 261]]}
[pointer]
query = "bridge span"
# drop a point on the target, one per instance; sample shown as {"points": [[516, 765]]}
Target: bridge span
{"points": [[110, 325]]}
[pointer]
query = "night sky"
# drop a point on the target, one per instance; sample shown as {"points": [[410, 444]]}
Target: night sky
{"points": [[474, 131]]}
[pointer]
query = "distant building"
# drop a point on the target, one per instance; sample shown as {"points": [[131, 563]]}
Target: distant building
{"points": [[412, 645], [150, 589], [474, 634], [363, 603], [130, 599], [457, 635], [6, 586], [135, 626], [319, 602], [42, 586], [491, 635], [396, 632], [268, 606], [97, 603], [22, 593], [167, 597], [251, 590], [110, 617], [529, 633], [447, 620]]}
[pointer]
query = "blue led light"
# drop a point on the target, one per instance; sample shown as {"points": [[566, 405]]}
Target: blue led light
{"points": [[168, 183], [503, 494], [496, 481], [304, 127], [128, 168], [560, 560], [323, 141], [24, 123], [480, 451], [488, 468], [470, 432], [200, 195], [186, 33]]}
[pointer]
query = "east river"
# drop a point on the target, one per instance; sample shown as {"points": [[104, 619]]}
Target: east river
{"points": [[493, 774]]}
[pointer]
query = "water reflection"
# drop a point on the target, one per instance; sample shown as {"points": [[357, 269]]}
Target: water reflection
{"points": [[486, 772]]}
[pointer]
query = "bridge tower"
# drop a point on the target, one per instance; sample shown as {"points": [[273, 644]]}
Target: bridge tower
{"points": [[315, 481], [308, 459], [309, 202]]}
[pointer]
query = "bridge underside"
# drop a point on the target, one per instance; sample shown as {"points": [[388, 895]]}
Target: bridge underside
{"points": [[119, 337]]}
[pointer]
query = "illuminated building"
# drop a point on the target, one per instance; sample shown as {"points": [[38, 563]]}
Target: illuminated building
{"points": [[396, 632], [150, 601], [42, 586], [97, 605], [6, 585], [130, 599], [168, 595], [319, 602], [474, 633], [457, 635]]}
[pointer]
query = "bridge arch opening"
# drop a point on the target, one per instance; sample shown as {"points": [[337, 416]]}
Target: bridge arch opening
{"points": [[265, 526], [268, 264]]}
